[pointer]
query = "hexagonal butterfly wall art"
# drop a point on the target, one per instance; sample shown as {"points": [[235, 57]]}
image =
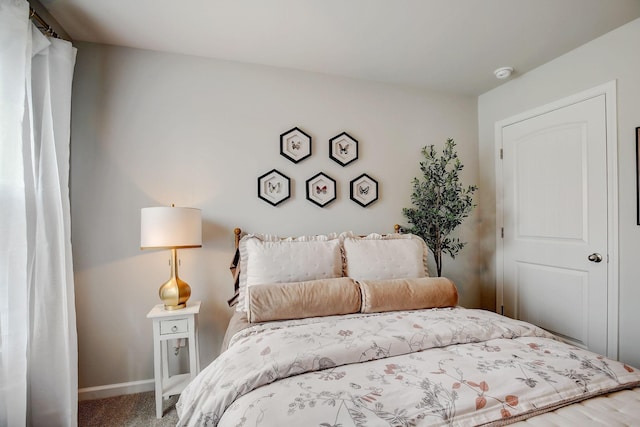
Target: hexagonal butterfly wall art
{"points": [[343, 149], [364, 190], [295, 145], [274, 187], [321, 189]]}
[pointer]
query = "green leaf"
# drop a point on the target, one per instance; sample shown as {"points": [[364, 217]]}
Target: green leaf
{"points": [[440, 201]]}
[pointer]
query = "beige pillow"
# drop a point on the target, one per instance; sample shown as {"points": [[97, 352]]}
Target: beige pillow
{"points": [[378, 257], [270, 259], [407, 294], [283, 301]]}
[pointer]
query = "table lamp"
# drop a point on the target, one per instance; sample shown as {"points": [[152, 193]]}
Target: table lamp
{"points": [[171, 228]]}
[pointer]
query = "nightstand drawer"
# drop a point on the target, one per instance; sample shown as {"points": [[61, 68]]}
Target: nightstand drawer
{"points": [[174, 326]]}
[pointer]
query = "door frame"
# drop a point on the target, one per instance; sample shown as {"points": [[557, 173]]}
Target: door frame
{"points": [[609, 91]]}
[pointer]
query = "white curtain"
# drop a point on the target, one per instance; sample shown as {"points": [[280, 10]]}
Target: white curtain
{"points": [[38, 342]]}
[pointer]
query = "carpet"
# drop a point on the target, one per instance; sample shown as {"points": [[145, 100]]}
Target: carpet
{"points": [[131, 410]]}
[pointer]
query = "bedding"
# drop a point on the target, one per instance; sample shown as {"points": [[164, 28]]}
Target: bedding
{"points": [[447, 366], [406, 355]]}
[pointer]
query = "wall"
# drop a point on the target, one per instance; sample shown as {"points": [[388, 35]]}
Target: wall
{"points": [[151, 129], [613, 56]]}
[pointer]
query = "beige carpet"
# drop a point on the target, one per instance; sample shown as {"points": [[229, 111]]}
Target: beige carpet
{"points": [[131, 410]]}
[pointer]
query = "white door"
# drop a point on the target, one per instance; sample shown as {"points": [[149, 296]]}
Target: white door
{"points": [[555, 257]]}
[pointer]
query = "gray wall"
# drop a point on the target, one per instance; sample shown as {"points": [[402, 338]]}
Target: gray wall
{"points": [[151, 129], [613, 56]]}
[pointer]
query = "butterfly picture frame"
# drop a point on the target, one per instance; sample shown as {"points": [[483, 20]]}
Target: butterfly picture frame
{"points": [[295, 145], [321, 189], [364, 190], [274, 187], [343, 149]]}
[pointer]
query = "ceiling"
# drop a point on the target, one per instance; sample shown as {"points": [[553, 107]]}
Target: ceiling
{"points": [[445, 45]]}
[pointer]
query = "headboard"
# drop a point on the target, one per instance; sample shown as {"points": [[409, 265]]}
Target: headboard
{"points": [[397, 228]]}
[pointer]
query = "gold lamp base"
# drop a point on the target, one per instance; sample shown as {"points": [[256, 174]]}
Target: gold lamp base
{"points": [[175, 292]]}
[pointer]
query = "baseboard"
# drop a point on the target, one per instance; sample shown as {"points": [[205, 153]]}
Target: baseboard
{"points": [[110, 390]]}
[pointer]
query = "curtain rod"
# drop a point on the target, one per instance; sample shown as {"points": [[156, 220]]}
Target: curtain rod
{"points": [[42, 24]]}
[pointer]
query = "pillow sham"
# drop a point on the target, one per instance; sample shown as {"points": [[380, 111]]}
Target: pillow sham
{"points": [[378, 257], [407, 294], [284, 301], [269, 259]]}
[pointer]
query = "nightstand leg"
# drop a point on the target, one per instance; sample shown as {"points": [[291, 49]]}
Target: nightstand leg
{"points": [[157, 363], [164, 360], [192, 359], [193, 349], [196, 346]]}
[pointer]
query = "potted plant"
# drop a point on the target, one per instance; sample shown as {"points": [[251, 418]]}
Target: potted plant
{"points": [[440, 201]]}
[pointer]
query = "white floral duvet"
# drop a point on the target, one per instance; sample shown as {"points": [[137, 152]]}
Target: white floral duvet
{"points": [[411, 368]]}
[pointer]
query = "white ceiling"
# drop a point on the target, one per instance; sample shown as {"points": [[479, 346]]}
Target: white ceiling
{"points": [[445, 45]]}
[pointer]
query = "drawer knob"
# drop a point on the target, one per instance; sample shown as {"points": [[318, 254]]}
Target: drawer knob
{"points": [[174, 328]]}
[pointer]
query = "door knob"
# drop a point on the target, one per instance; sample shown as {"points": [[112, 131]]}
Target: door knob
{"points": [[595, 257]]}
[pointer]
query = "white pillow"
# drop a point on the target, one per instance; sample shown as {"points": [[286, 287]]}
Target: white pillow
{"points": [[392, 256], [270, 259]]}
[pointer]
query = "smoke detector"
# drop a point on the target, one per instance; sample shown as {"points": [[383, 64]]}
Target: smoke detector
{"points": [[503, 72]]}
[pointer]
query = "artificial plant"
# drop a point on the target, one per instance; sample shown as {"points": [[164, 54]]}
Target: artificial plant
{"points": [[440, 201]]}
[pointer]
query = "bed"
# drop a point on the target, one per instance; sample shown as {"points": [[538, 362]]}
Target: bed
{"points": [[342, 330]]}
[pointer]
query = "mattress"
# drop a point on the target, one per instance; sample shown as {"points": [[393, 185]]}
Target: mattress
{"points": [[621, 408]]}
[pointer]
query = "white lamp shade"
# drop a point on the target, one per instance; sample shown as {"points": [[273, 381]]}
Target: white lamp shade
{"points": [[170, 227]]}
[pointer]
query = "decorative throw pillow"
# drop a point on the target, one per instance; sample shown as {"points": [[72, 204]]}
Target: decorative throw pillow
{"points": [[378, 257], [407, 294], [269, 259], [283, 301]]}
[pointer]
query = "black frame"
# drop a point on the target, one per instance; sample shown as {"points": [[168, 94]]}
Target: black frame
{"points": [[286, 152], [310, 195], [338, 156], [261, 194], [355, 189]]}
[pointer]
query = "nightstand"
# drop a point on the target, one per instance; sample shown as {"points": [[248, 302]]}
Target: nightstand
{"points": [[169, 325]]}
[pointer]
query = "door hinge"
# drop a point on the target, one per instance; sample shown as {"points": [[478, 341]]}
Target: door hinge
{"points": [[502, 232], [501, 154], [502, 310]]}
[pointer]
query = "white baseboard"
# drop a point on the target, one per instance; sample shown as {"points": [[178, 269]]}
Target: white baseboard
{"points": [[110, 390]]}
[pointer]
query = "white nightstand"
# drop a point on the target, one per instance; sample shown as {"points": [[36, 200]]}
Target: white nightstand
{"points": [[168, 325]]}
